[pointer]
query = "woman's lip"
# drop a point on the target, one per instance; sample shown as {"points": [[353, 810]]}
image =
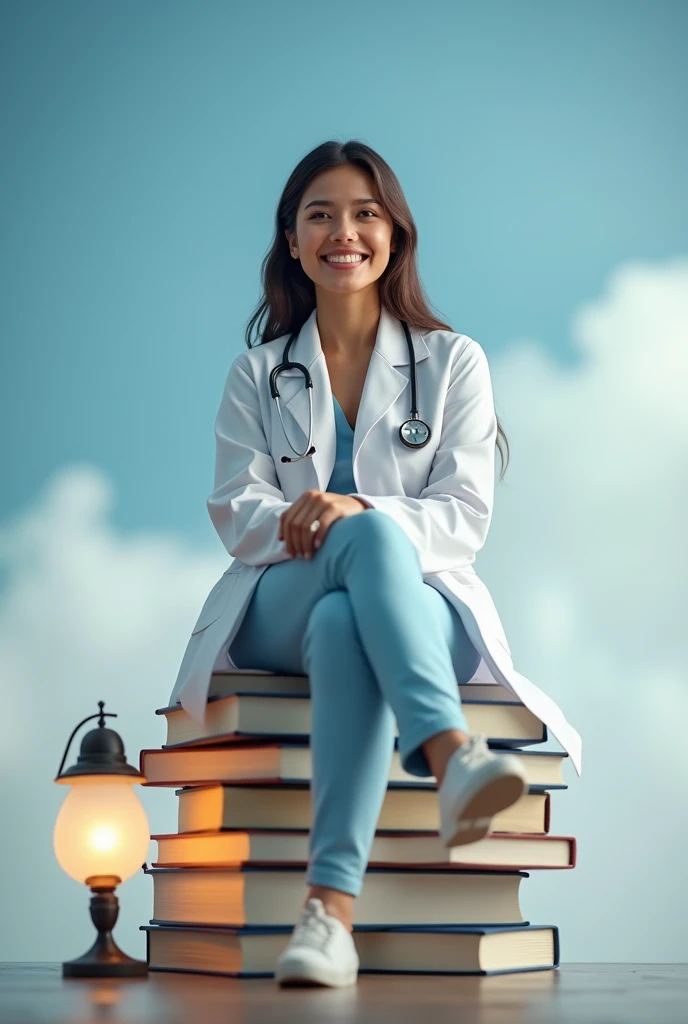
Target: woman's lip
{"points": [[343, 266]]}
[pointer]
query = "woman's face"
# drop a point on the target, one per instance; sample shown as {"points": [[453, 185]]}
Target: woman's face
{"points": [[332, 216]]}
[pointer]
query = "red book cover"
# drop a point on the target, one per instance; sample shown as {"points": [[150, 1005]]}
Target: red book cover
{"points": [[521, 865]]}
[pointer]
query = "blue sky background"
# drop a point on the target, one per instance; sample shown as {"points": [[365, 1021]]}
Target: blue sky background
{"points": [[543, 152]]}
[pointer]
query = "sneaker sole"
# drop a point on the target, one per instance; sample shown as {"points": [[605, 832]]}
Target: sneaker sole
{"points": [[475, 819], [312, 977]]}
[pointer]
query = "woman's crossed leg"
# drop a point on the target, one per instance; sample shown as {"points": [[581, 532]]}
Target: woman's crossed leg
{"points": [[378, 643]]}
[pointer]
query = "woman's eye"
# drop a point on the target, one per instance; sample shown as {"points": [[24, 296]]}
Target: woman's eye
{"points": [[319, 212]]}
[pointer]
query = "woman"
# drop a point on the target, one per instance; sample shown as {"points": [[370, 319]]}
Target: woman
{"points": [[346, 590]]}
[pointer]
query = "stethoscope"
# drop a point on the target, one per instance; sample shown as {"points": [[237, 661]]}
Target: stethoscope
{"points": [[414, 433]]}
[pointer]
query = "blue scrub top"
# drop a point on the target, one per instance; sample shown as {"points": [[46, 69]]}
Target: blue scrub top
{"points": [[342, 479]]}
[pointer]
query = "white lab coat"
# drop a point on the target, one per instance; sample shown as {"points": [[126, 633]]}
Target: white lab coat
{"points": [[440, 495]]}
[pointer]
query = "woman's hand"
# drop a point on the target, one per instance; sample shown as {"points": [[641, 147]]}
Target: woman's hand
{"points": [[326, 506]]}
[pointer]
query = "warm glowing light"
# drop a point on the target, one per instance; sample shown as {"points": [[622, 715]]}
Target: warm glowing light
{"points": [[103, 839], [101, 829]]}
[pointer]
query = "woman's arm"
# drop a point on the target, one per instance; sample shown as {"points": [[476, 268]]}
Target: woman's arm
{"points": [[247, 502]]}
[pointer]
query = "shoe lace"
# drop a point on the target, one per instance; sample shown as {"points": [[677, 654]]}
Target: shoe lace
{"points": [[475, 749], [312, 930]]}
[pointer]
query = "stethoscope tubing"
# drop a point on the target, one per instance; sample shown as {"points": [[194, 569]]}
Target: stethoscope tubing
{"points": [[415, 427]]}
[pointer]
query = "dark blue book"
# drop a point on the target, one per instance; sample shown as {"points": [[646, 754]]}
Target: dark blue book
{"points": [[238, 717], [289, 761], [247, 894], [258, 681], [280, 805], [449, 949]]}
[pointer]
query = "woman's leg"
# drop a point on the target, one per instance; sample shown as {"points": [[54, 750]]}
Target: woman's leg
{"points": [[352, 735], [352, 728], [352, 721], [370, 557], [352, 739], [465, 660]]}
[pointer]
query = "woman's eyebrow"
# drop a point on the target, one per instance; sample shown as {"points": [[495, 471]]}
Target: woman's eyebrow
{"points": [[328, 202]]}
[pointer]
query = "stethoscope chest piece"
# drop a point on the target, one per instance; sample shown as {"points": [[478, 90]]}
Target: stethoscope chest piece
{"points": [[414, 433]]}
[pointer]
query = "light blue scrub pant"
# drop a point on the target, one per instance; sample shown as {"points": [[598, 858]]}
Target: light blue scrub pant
{"points": [[378, 643]]}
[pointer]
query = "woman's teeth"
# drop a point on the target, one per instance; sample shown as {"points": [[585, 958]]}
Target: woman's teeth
{"points": [[346, 260]]}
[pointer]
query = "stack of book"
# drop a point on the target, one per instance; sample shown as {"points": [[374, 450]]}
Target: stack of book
{"points": [[229, 885]]}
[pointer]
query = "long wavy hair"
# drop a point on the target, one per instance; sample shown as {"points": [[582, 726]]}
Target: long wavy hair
{"points": [[289, 294]]}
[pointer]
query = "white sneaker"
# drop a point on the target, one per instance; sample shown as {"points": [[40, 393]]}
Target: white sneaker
{"points": [[477, 784], [321, 951]]}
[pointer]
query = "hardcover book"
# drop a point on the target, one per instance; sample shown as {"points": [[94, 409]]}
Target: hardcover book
{"points": [[248, 895], [253, 952], [241, 716], [498, 850], [282, 806], [291, 762]]}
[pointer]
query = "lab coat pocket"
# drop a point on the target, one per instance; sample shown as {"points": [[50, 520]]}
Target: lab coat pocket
{"points": [[216, 601]]}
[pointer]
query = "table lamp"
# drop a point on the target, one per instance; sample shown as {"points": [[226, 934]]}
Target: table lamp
{"points": [[101, 838]]}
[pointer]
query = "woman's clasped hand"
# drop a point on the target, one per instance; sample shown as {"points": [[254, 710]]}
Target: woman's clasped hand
{"points": [[326, 507]]}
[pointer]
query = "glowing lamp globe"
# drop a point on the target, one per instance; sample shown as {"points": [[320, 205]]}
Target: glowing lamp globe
{"points": [[101, 829], [101, 838]]}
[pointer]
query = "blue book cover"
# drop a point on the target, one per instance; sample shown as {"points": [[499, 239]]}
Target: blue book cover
{"points": [[507, 742], [245, 868], [286, 930]]}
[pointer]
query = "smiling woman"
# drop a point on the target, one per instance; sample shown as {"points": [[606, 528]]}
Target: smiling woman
{"points": [[355, 559], [342, 226], [344, 198]]}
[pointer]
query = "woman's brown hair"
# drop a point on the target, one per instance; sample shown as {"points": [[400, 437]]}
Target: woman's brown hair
{"points": [[289, 294]]}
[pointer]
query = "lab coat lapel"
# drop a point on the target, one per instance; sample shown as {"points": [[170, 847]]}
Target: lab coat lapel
{"points": [[383, 385]]}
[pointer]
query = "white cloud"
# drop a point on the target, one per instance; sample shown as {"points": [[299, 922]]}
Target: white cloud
{"points": [[595, 495], [586, 562], [86, 614]]}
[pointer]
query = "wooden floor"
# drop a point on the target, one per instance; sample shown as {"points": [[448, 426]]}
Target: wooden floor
{"points": [[593, 993]]}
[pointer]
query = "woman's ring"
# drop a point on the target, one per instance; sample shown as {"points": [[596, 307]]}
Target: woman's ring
{"points": [[315, 525]]}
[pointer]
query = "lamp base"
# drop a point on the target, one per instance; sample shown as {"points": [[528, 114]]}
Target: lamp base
{"points": [[104, 959]]}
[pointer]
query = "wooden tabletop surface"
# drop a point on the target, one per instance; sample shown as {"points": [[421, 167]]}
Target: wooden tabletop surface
{"points": [[36, 993]]}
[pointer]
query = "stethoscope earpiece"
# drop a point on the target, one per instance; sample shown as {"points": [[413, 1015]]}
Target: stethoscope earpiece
{"points": [[413, 433]]}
